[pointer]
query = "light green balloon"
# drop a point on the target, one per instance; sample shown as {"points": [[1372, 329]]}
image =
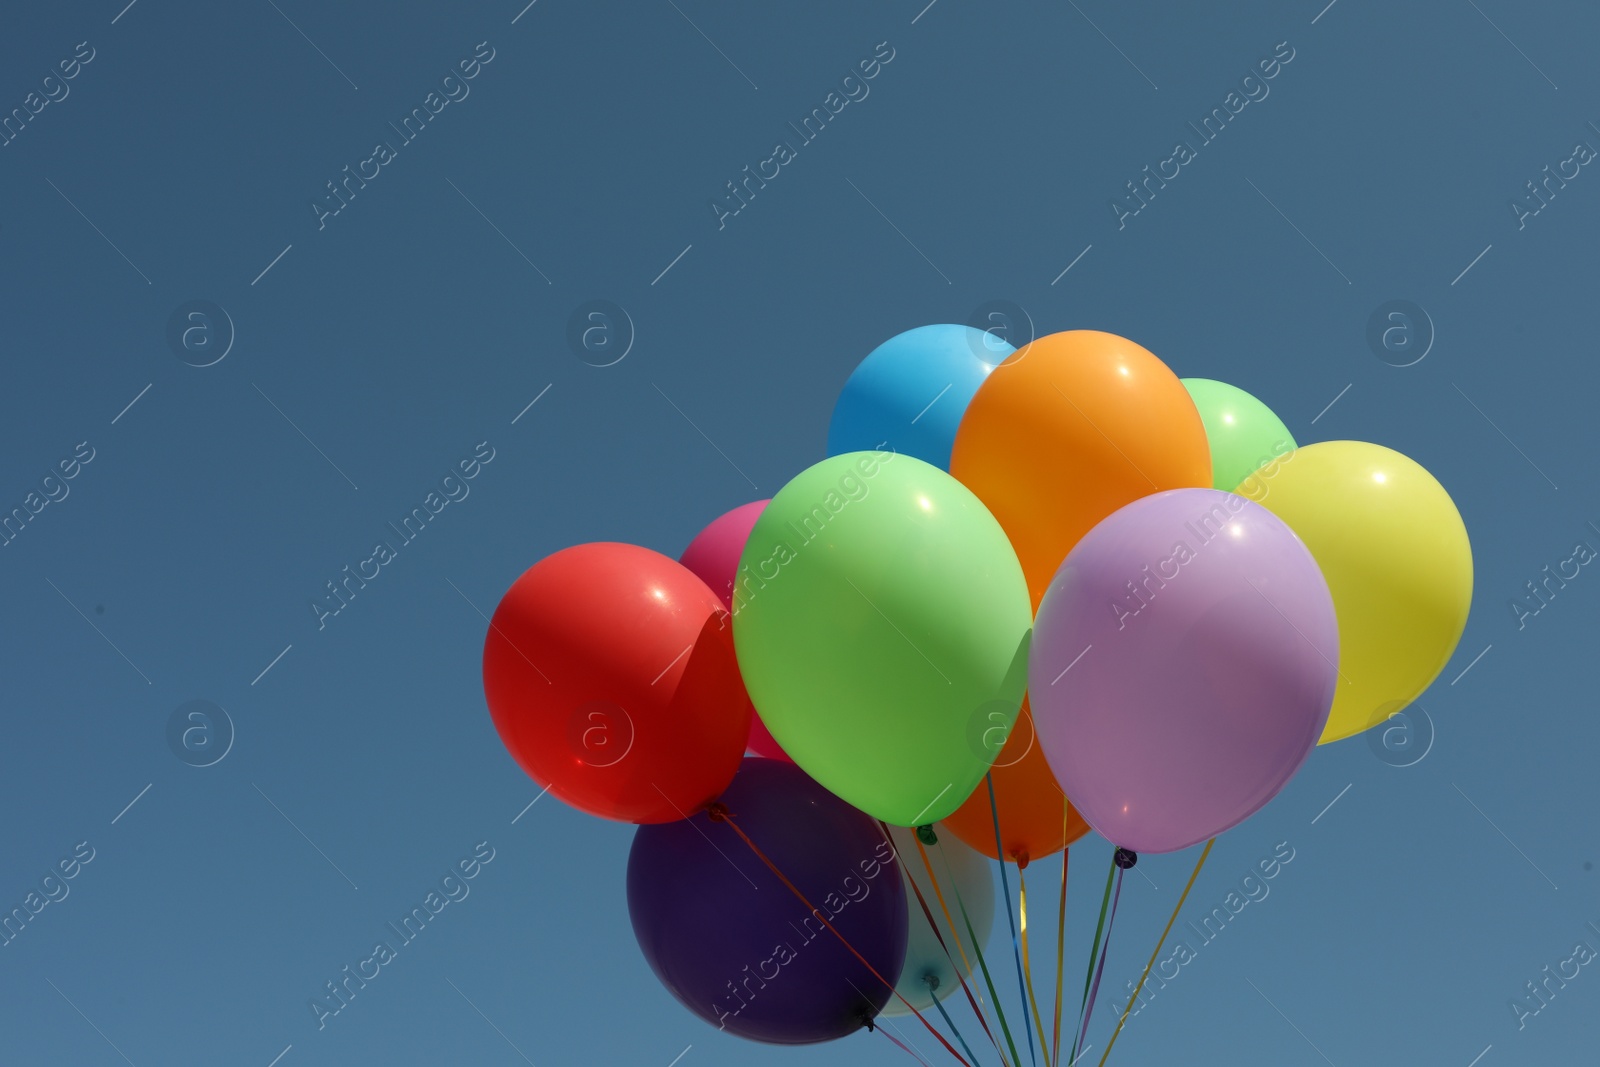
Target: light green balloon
{"points": [[961, 871], [881, 621], [1243, 432]]}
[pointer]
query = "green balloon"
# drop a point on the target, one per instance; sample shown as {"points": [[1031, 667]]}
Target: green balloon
{"points": [[882, 622], [1243, 432]]}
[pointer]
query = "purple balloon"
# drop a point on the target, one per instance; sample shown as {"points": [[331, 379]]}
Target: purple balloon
{"points": [[735, 945], [1210, 652]]}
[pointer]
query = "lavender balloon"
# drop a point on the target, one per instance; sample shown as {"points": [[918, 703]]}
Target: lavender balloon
{"points": [[740, 950], [1183, 665]]}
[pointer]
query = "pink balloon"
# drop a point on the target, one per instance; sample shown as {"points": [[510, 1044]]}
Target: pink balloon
{"points": [[713, 556], [714, 553], [761, 741], [1183, 664]]}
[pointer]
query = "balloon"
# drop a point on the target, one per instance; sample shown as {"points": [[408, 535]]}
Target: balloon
{"points": [[610, 673], [735, 945], [1242, 432], [1035, 818], [713, 556], [1080, 425], [761, 742], [959, 870], [1396, 557], [879, 617], [909, 393], [1209, 652]]}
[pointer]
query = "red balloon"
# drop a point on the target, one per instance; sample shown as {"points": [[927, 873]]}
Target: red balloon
{"points": [[714, 556], [610, 673]]}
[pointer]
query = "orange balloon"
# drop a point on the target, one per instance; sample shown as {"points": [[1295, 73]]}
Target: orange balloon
{"points": [[1068, 430], [1028, 799]]}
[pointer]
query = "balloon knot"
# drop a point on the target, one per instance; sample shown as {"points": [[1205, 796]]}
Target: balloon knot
{"points": [[866, 1020], [932, 981], [1125, 858], [1022, 861], [926, 835], [718, 812]]}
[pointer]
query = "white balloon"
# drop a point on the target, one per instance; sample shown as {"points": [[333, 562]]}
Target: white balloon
{"points": [[958, 869]]}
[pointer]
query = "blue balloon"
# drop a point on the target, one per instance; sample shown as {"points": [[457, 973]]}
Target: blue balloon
{"points": [[909, 394]]}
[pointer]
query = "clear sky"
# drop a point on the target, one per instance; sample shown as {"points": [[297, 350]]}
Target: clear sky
{"points": [[187, 159]]}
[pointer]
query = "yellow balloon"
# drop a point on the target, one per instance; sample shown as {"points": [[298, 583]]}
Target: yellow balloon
{"points": [[1395, 554]]}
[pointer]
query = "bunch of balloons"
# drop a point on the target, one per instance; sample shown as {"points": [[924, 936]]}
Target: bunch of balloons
{"points": [[1026, 593]]}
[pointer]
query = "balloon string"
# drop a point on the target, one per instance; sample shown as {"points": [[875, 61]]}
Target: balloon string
{"points": [[719, 813], [1016, 944], [1094, 948], [984, 967], [1061, 938], [1027, 962], [899, 1043], [1181, 897], [951, 926], [1105, 947], [933, 987]]}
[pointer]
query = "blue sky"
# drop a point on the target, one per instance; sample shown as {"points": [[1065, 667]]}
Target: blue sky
{"points": [[374, 350]]}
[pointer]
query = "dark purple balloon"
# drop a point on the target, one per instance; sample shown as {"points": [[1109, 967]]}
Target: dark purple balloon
{"points": [[735, 945]]}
